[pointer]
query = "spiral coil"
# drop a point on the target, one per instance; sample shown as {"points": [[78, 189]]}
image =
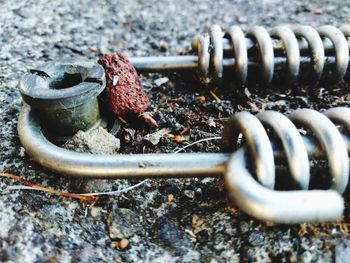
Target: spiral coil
{"points": [[290, 46], [323, 139]]}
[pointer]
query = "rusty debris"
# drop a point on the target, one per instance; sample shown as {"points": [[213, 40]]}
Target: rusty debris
{"points": [[123, 90]]}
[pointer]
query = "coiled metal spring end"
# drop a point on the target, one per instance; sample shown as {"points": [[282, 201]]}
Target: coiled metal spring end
{"points": [[299, 53], [284, 47], [323, 140]]}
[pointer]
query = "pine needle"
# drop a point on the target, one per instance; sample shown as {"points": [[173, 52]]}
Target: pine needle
{"points": [[30, 185]]}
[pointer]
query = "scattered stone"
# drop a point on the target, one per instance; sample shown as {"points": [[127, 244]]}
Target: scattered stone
{"points": [[189, 193], [123, 243], [342, 252], [211, 123], [172, 236], [95, 141], [131, 132], [120, 245], [170, 198], [124, 93], [155, 137], [127, 135], [96, 211], [161, 81], [201, 99], [163, 47], [123, 223]]}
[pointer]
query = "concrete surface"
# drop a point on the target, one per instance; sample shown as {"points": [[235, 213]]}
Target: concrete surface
{"points": [[163, 220]]}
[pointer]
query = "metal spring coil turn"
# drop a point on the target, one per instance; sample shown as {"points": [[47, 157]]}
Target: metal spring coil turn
{"points": [[291, 46], [324, 140]]}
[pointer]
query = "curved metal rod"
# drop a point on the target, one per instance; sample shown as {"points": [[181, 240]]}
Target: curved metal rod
{"points": [[293, 146], [254, 199], [72, 163], [128, 166], [286, 207]]}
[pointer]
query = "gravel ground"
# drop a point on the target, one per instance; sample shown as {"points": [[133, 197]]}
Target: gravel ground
{"points": [[163, 220]]}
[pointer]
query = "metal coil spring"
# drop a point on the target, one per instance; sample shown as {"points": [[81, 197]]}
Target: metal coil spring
{"points": [[281, 45], [323, 139]]}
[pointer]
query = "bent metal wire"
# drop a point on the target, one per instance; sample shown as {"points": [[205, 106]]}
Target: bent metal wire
{"points": [[256, 199], [64, 94]]}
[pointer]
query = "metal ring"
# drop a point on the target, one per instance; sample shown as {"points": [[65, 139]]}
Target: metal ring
{"points": [[293, 146], [240, 52], [327, 134], [316, 47], [341, 48], [346, 31], [258, 144], [217, 52], [292, 50], [339, 115], [204, 58], [264, 42]]}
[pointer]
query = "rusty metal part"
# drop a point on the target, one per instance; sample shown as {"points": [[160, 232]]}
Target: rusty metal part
{"points": [[124, 95], [282, 48], [64, 94]]}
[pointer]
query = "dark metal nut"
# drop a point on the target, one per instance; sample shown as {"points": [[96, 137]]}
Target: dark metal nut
{"points": [[64, 94]]}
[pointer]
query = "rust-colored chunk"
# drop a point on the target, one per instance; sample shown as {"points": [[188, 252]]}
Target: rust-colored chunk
{"points": [[124, 94]]}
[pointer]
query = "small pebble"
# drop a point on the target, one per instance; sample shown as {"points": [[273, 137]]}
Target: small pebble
{"points": [[161, 81], [154, 138], [123, 89], [170, 198]]}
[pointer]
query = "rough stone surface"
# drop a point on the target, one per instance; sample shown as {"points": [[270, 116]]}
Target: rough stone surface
{"points": [[94, 141], [199, 224], [123, 223]]}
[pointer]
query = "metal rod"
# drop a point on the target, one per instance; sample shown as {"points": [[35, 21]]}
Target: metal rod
{"points": [[129, 166], [190, 63], [256, 200], [170, 63], [278, 46]]}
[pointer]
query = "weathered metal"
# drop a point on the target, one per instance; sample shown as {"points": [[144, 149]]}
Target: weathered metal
{"points": [[64, 95]]}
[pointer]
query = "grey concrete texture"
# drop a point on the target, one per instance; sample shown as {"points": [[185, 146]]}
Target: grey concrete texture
{"points": [[174, 220]]}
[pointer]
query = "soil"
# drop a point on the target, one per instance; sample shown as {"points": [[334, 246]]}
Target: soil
{"points": [[174, 220]]}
